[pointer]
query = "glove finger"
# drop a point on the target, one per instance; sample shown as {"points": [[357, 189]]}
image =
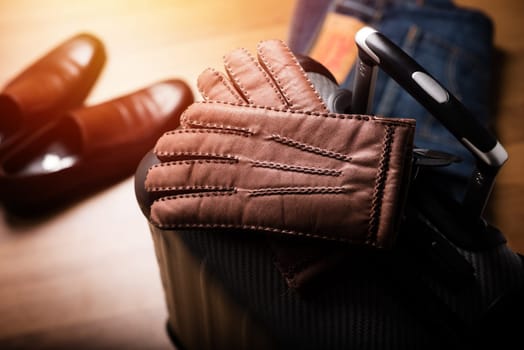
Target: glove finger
{"points": [[183, 144], [256, 86], [214, 85], [321, 212], [225, 175], [292, 81], [213, 174], [340, 136]]}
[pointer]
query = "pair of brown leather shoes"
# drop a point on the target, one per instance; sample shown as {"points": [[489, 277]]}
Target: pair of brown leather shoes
{"points": [[53, 149]]}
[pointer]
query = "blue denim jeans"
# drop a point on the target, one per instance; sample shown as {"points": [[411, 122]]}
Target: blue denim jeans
{"points": [[453, 44]]}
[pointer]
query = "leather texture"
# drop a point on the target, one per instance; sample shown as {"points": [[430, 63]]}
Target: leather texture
{"points": [[262, 152], [303, 173], [58, 81]]}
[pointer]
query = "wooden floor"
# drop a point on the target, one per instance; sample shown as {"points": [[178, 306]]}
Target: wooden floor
{"points": [[87, 276]]}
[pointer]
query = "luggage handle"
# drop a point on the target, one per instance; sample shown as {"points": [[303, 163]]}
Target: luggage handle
{"points": [[376, 50]]}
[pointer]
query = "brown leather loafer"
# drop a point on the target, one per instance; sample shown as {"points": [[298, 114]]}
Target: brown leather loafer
{"points": [[55, 83], [89, 147]]}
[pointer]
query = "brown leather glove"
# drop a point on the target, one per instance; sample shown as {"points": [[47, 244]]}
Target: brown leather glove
{"points": [[263, 153]]}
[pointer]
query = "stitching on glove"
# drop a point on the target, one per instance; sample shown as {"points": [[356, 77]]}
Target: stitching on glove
{"points": [[195, 161], [230, 192], [210, 131], [268, 79], [223, 83], [304, 75], [268, 66], [300, 169], [215, 126], [297, 190], [380, 182], [258, 228], [237, 81], [359, 117], [309, 148], [195, 154], [188, 188], [157, 188]]}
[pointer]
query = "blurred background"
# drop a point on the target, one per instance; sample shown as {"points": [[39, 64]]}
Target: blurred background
{"points": [[146, 41], [86, 277]]}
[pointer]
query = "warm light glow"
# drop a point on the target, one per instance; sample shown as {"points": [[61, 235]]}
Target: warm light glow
{"points": [[83, 53], [53, 162], [167, 96]]}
